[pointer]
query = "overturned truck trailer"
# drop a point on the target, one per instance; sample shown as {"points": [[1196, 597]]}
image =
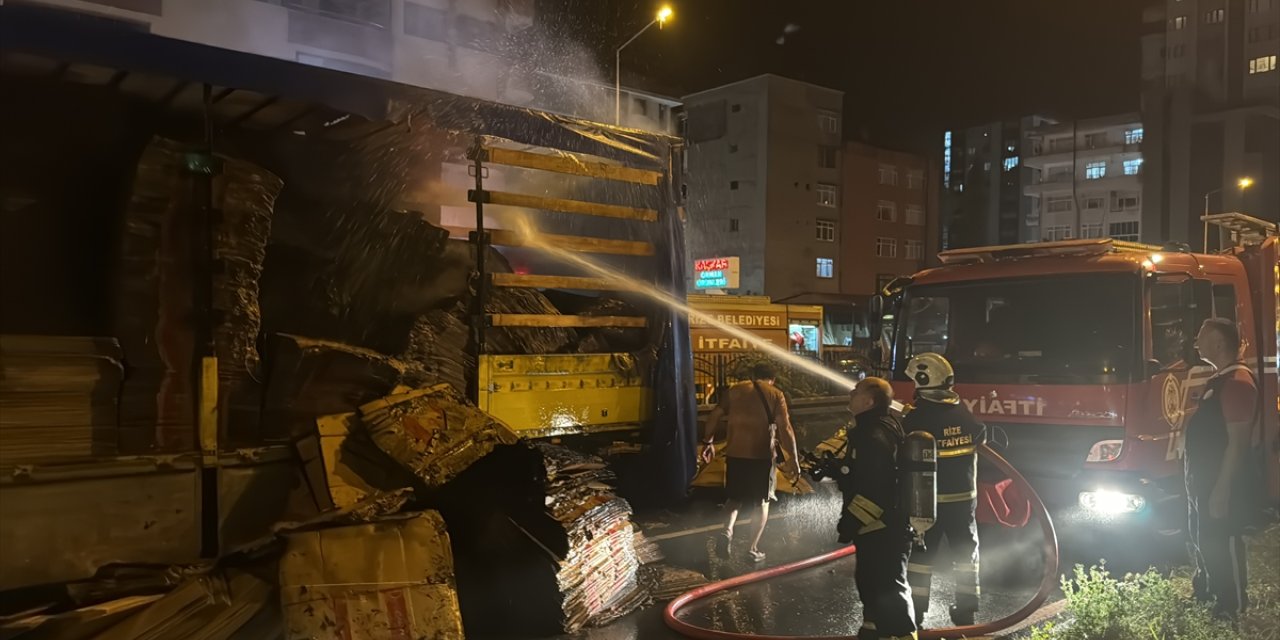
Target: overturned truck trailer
{"points": [[204, 251]]}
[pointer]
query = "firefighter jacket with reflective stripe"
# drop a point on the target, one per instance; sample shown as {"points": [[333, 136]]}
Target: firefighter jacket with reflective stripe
{"points": [[870, 487], [958, 434]]}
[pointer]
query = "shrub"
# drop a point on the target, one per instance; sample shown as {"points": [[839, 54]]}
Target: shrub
{"points": [[1144, 606]]}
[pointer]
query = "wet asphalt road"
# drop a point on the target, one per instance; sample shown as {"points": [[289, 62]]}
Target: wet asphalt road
{"points": [[823, 600], [817, 601]]}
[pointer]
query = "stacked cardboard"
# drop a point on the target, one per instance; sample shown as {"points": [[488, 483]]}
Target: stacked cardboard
{"points": [[598, 570], [57, 397]]}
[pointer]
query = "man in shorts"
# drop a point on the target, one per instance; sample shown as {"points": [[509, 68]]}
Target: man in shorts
{"points": [[758, 426]]}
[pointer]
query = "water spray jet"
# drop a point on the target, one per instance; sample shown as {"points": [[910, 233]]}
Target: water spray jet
{"points": [[533, 238]]}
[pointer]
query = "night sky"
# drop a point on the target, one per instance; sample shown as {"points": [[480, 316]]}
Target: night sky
{"points": [[909, 68]]}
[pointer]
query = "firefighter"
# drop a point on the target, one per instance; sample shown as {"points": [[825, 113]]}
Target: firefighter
{"points": [[872, 518], [938, 410]]}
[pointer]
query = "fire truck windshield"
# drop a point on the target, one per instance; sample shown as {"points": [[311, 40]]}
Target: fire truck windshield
{"points": [[1073, 329]]}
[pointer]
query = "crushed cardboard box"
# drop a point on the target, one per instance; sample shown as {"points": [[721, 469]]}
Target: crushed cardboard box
{"points": [[386, 580]]}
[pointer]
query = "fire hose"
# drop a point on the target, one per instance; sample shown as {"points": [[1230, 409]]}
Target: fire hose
{"points": [[1047, 583]]}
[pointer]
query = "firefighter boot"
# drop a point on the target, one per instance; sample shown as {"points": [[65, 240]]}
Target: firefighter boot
{"points": [[962, 617]]}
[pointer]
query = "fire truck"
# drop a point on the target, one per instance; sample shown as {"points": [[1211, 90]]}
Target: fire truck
{"points": [[1075, 354]]}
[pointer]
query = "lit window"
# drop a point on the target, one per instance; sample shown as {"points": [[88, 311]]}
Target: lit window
{"points": [[1133, 136], [826, 268], [1180, 23], [1058, 204], [826, 194], [827, 157], [1262, 64], [915, 179], [826, 230], [828, 122], [1133, 167], [1216, 16], [1010, 163], [1091, 231], [1056, 233], [1126, 231], [889, 175], [913, 249], [915, 215], [886, 248], [1095, 170], [886, 211]]}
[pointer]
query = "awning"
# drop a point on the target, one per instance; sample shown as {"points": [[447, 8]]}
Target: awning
{"points": [[825, 299]]}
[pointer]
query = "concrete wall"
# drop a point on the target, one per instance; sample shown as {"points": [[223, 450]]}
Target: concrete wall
{"points": [[728, 142]]}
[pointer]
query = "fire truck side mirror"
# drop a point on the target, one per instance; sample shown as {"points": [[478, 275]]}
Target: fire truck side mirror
{"points": [[875, 307]]}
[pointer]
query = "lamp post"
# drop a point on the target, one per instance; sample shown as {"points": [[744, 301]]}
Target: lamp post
{"points": [[1242, 183], [664, 14]]}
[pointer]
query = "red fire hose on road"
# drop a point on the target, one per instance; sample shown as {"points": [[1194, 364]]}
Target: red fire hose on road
{"points": [[1047, 584]]}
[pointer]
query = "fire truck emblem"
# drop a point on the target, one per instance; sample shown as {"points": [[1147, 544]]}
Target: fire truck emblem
{"points": [[1171, 402]]}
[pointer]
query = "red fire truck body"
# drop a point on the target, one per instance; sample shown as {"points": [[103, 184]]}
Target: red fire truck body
{"points": [[1075, 355]]}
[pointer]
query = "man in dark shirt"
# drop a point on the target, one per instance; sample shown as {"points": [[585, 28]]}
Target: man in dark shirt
{"points": [[872, 518], [1218, 437], [938, 410]]}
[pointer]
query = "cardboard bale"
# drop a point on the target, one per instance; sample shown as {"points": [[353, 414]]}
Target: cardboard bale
{"points": [[391, 579], [58, 397], [433, 432], [343, 465]]}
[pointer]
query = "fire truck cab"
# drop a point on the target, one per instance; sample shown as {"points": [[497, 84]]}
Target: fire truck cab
{"points": [[1075, 354]]}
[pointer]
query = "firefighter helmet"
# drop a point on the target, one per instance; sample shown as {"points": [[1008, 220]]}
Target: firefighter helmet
{"points": [[934, 377]]}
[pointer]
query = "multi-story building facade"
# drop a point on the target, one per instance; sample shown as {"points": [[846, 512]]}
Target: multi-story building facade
{"points": [[437, 44], [1085, 178], [982, 200], [764, 184], [889, 228], [888, 217], [1211, 114]]}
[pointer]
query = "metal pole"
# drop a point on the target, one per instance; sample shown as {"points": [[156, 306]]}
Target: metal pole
{"points": [[482, 247], [617, 74], [1205, 248]]}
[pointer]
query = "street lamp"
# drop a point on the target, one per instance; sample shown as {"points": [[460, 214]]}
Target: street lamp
{"points": [[664, 14], [1243, 183]]}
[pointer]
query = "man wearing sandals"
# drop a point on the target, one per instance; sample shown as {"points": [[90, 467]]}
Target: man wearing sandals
{"points": [[759, 430]]}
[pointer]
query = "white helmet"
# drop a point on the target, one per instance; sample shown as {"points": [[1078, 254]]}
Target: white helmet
{"points": [[934, 377]]}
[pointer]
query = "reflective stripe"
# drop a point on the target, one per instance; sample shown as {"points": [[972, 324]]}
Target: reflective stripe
{"points": [[874, 526], [958, 497], [861, 514], [923, 592], [871, 507], [868, 625], [968, 589], [955, 453], [919, 568]]}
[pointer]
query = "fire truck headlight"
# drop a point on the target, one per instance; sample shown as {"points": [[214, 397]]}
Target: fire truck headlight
{"points": [[1112, 502], [1105, 451]]}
